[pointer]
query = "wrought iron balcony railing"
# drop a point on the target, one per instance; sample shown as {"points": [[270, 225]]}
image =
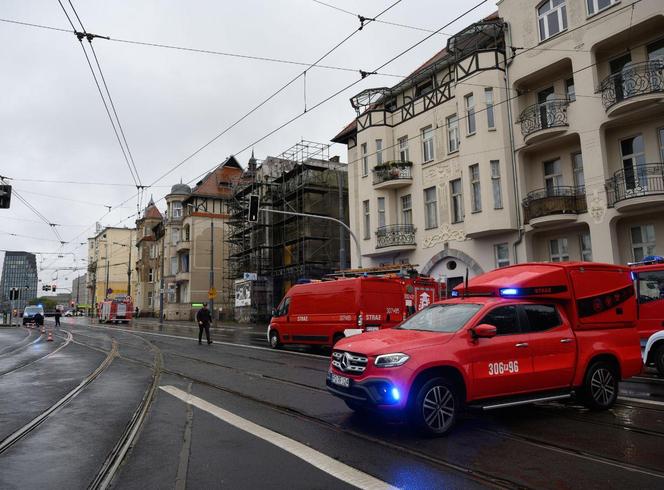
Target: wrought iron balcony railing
{"points": [[637, 79], [392, 171], [395, 235], [636, 181], [550, 114], [554, 200]]}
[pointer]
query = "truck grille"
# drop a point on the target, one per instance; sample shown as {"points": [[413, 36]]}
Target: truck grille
{"points": [[349, 362]]}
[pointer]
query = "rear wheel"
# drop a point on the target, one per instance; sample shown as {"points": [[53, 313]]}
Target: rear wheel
{"points": [[600, 387], [275, 343], [435, 407], [659, 359]]}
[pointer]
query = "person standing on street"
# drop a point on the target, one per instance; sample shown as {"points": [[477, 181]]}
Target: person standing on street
{"points": [[58, 314], [204, 318]]}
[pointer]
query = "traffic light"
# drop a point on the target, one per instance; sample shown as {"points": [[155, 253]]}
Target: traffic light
{"points": [[46, 287], [253, 208], [53, 288], [5, 196]]}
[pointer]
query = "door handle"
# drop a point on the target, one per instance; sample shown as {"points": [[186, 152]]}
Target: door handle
{"points": [[521, 344], [566, 341]]}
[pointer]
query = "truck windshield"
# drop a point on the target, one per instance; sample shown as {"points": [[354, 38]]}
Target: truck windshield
{"points": [[441, 318]]}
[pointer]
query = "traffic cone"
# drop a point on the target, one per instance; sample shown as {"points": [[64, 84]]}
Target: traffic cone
{"points": [[50, 336], [43, 329]]}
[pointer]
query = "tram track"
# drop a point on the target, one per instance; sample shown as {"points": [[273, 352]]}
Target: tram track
{"points": [[23, 345], [67, 340]]}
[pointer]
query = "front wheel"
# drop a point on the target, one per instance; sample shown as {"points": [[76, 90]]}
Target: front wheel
{"points": [[435, 407], [275, 343], [659, 359], [600, 387]]}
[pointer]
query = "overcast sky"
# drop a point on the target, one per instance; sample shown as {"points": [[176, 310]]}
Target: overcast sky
{"points": [[171, 102]]}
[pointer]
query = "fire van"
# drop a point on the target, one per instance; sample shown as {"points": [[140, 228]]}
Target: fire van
{"points": [[321, 313], [649, 281], [118, 310], [516, 335]]}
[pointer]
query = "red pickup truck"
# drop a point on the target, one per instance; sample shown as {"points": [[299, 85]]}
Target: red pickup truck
{"points": [[520, 334]]}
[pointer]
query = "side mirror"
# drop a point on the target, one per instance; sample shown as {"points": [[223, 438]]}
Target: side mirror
{"points": [[483, 331]]}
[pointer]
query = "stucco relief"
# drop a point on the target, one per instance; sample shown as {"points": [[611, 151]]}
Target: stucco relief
{"points": [[445, 234], [443, 171], [597, 206]]}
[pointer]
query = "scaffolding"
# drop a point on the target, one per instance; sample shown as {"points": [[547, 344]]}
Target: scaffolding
{"points": [[282, 250]]}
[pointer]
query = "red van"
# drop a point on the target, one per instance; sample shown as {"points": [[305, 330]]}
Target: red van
{"points": [[516, 335], [321, 313], [649, 281]]}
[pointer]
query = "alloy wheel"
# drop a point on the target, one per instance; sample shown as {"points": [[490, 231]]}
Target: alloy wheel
{"points": [[602, 386], [438, 408]]}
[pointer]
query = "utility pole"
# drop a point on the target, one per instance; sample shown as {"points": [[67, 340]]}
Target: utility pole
{"points": [[129, 268], [107, 271], [214, 322], [161, 279]]}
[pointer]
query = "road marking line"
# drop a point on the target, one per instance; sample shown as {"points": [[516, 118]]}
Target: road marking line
{"points": [[304, 354], [315, 458], [641, 400]]}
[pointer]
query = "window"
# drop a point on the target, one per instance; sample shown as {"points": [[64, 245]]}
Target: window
{"points": [[552, 17], [586, 247], [504, 318], [577, 168], [174, 265], [282, 309], [558, 250], [153, 251], [661, 145], [403, 149], [475, 190], [391, 105], [501, 253], [457, 201], [367, 220], [176, 210], [365, 160], [184, 263], [643, 241], [441, 318], [452, 134], [488, 100], [651, 286], [406, 210], [541, 317], [150, 275], [553, 177], [171, 293], [379, 152], [185, 233], [150, 299], [595, 6], [569, 89], [430, 208], [495, 185], [175, 235], [381, 211], [470, 114], [424, 88], [427, 143], [633, 161]]}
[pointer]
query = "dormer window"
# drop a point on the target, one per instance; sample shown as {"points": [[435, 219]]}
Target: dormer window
{"points": [[424, 88], [391, 104]]}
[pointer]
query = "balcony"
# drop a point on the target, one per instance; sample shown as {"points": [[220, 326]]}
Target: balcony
{"points": [[541, 121], [182, 276], [554, 206], [394, 238], [392, 175], [183, 245], [636, 187], [634, 87]]}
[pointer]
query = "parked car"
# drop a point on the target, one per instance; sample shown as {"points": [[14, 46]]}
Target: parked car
{"points": [[30, 312]]}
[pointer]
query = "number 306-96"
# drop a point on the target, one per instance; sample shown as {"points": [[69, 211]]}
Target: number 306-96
{"points": [[503, 367]]}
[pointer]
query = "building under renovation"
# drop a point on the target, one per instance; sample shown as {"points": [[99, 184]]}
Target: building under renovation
{"points": [[268, 256]]}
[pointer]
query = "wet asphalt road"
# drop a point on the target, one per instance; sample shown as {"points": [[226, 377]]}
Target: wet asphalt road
{"points": [[145, 406]]}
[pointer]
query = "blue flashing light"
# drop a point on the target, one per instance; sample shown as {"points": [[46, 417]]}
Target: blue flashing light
{"points": [[653, 258], [509, 292], [455, 294], [40, 305], [633, 275], [395, 394]]}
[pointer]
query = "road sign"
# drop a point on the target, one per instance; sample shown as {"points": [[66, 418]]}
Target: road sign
{"points": [[250, 276], [212, 293], [5, 196]]}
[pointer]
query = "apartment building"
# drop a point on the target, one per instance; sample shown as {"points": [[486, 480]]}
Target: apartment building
{"points": [[587, 93], [430, 163], [110, 263], [148, 260]]}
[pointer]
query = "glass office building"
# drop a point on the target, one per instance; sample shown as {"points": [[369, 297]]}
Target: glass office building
{"points": [[19, 272]]}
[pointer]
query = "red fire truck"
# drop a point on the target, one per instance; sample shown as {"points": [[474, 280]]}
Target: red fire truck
{"points": [[649, 280], [322, 312], [516, 335], [118, 310]]}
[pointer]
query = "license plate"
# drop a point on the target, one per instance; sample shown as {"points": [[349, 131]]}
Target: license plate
{"points": [[371, 329], [340, 380]]}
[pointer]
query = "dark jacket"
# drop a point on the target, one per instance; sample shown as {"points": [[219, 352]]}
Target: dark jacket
{"points": [[39, 319], [203, 316]]}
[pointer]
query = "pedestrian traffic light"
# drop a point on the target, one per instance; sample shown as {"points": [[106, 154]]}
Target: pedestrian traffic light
{"points": [[5, 196], [253, 208], [53, 288]]}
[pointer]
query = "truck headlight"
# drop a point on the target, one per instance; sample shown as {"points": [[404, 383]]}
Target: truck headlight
{"points": [[391, 360]]}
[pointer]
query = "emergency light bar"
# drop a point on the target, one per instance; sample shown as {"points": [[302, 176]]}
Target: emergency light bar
{"points": [[649, 260]]}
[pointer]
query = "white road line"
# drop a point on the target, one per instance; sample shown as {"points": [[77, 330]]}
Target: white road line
{"points": [[304, 354], [315, 458], [640, 400]]}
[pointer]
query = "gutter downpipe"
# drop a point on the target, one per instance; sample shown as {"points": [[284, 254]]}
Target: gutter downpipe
{"points": [[510, 120]]}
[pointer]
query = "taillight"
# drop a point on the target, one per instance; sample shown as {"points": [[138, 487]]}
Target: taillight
{"points": [[360, 319]]}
